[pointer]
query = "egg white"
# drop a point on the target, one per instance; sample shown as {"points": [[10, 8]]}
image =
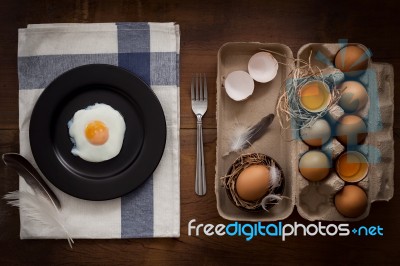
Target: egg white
{"points": [[116, 129]]}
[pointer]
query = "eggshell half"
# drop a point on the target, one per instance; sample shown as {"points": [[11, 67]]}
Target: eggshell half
{"points": [[263, 67], [352, 166], [239, 85], [315, 96]]}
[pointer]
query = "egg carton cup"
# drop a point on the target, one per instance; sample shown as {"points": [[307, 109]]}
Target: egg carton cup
{"points": [[314, 200], [378, 145]]}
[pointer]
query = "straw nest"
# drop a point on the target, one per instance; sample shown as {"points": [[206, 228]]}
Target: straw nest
{"points": [[272, 195], [289, 110]]}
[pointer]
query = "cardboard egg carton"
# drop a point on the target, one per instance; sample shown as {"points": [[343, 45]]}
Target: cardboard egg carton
{"points": [[314, 200]]}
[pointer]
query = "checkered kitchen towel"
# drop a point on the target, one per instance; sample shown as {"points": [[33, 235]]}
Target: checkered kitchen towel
{"points": [[151, 51]]}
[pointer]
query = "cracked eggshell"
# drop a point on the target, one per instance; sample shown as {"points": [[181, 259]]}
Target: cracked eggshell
{"points": [[352, 166], [315, 96], [263, 67], [239, 85]]}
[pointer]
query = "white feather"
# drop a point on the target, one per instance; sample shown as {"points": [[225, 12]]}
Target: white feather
{"points": [[40, 210], [240, 138], [275, 181], [243, 137], [275, 177], [267, 200]]}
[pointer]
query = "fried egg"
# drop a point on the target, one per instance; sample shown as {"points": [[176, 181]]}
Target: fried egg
{"points": [[97, 133]]}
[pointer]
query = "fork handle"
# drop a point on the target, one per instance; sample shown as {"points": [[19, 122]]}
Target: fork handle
{"points": [[200, 183]]}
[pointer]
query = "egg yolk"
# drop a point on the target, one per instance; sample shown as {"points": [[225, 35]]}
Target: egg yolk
{"points": [[312, 96], [349, 165], [96, 132]]}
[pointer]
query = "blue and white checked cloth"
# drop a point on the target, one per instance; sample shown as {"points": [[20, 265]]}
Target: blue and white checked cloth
{"points": [[151, 51]]}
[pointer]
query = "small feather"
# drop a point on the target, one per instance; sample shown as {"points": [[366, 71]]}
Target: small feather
{"points": [[38, 209], [245, 137], [269, 199], [239, 137], [275, 177]]}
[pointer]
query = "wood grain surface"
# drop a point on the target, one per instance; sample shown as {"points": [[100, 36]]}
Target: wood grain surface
{"points": [[205, 26]]}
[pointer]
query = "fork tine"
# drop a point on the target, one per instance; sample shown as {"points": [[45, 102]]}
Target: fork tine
{"points": [[200, 88], [197, 87], [192, 89], [205, 87]]}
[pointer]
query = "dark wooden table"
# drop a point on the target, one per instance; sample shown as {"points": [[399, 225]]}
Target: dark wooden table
{"points": [[205, 26]]}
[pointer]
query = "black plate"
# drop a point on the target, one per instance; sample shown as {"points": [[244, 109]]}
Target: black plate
{"points": [[144, 139]]}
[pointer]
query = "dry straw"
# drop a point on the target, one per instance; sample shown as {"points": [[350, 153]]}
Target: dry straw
{"points": [[288, 108]]}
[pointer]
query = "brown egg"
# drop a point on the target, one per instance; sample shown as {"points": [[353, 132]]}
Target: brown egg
{"points": [[351, 201], [314, 165], [351, 130], [353, 97], [253, 183], [351, 59], [317, 134]]}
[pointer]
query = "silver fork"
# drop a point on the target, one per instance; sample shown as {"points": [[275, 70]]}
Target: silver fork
{"points": [[199, 107]]}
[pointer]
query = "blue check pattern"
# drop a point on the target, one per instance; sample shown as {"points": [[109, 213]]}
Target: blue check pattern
{"points": [[134, 54]]}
